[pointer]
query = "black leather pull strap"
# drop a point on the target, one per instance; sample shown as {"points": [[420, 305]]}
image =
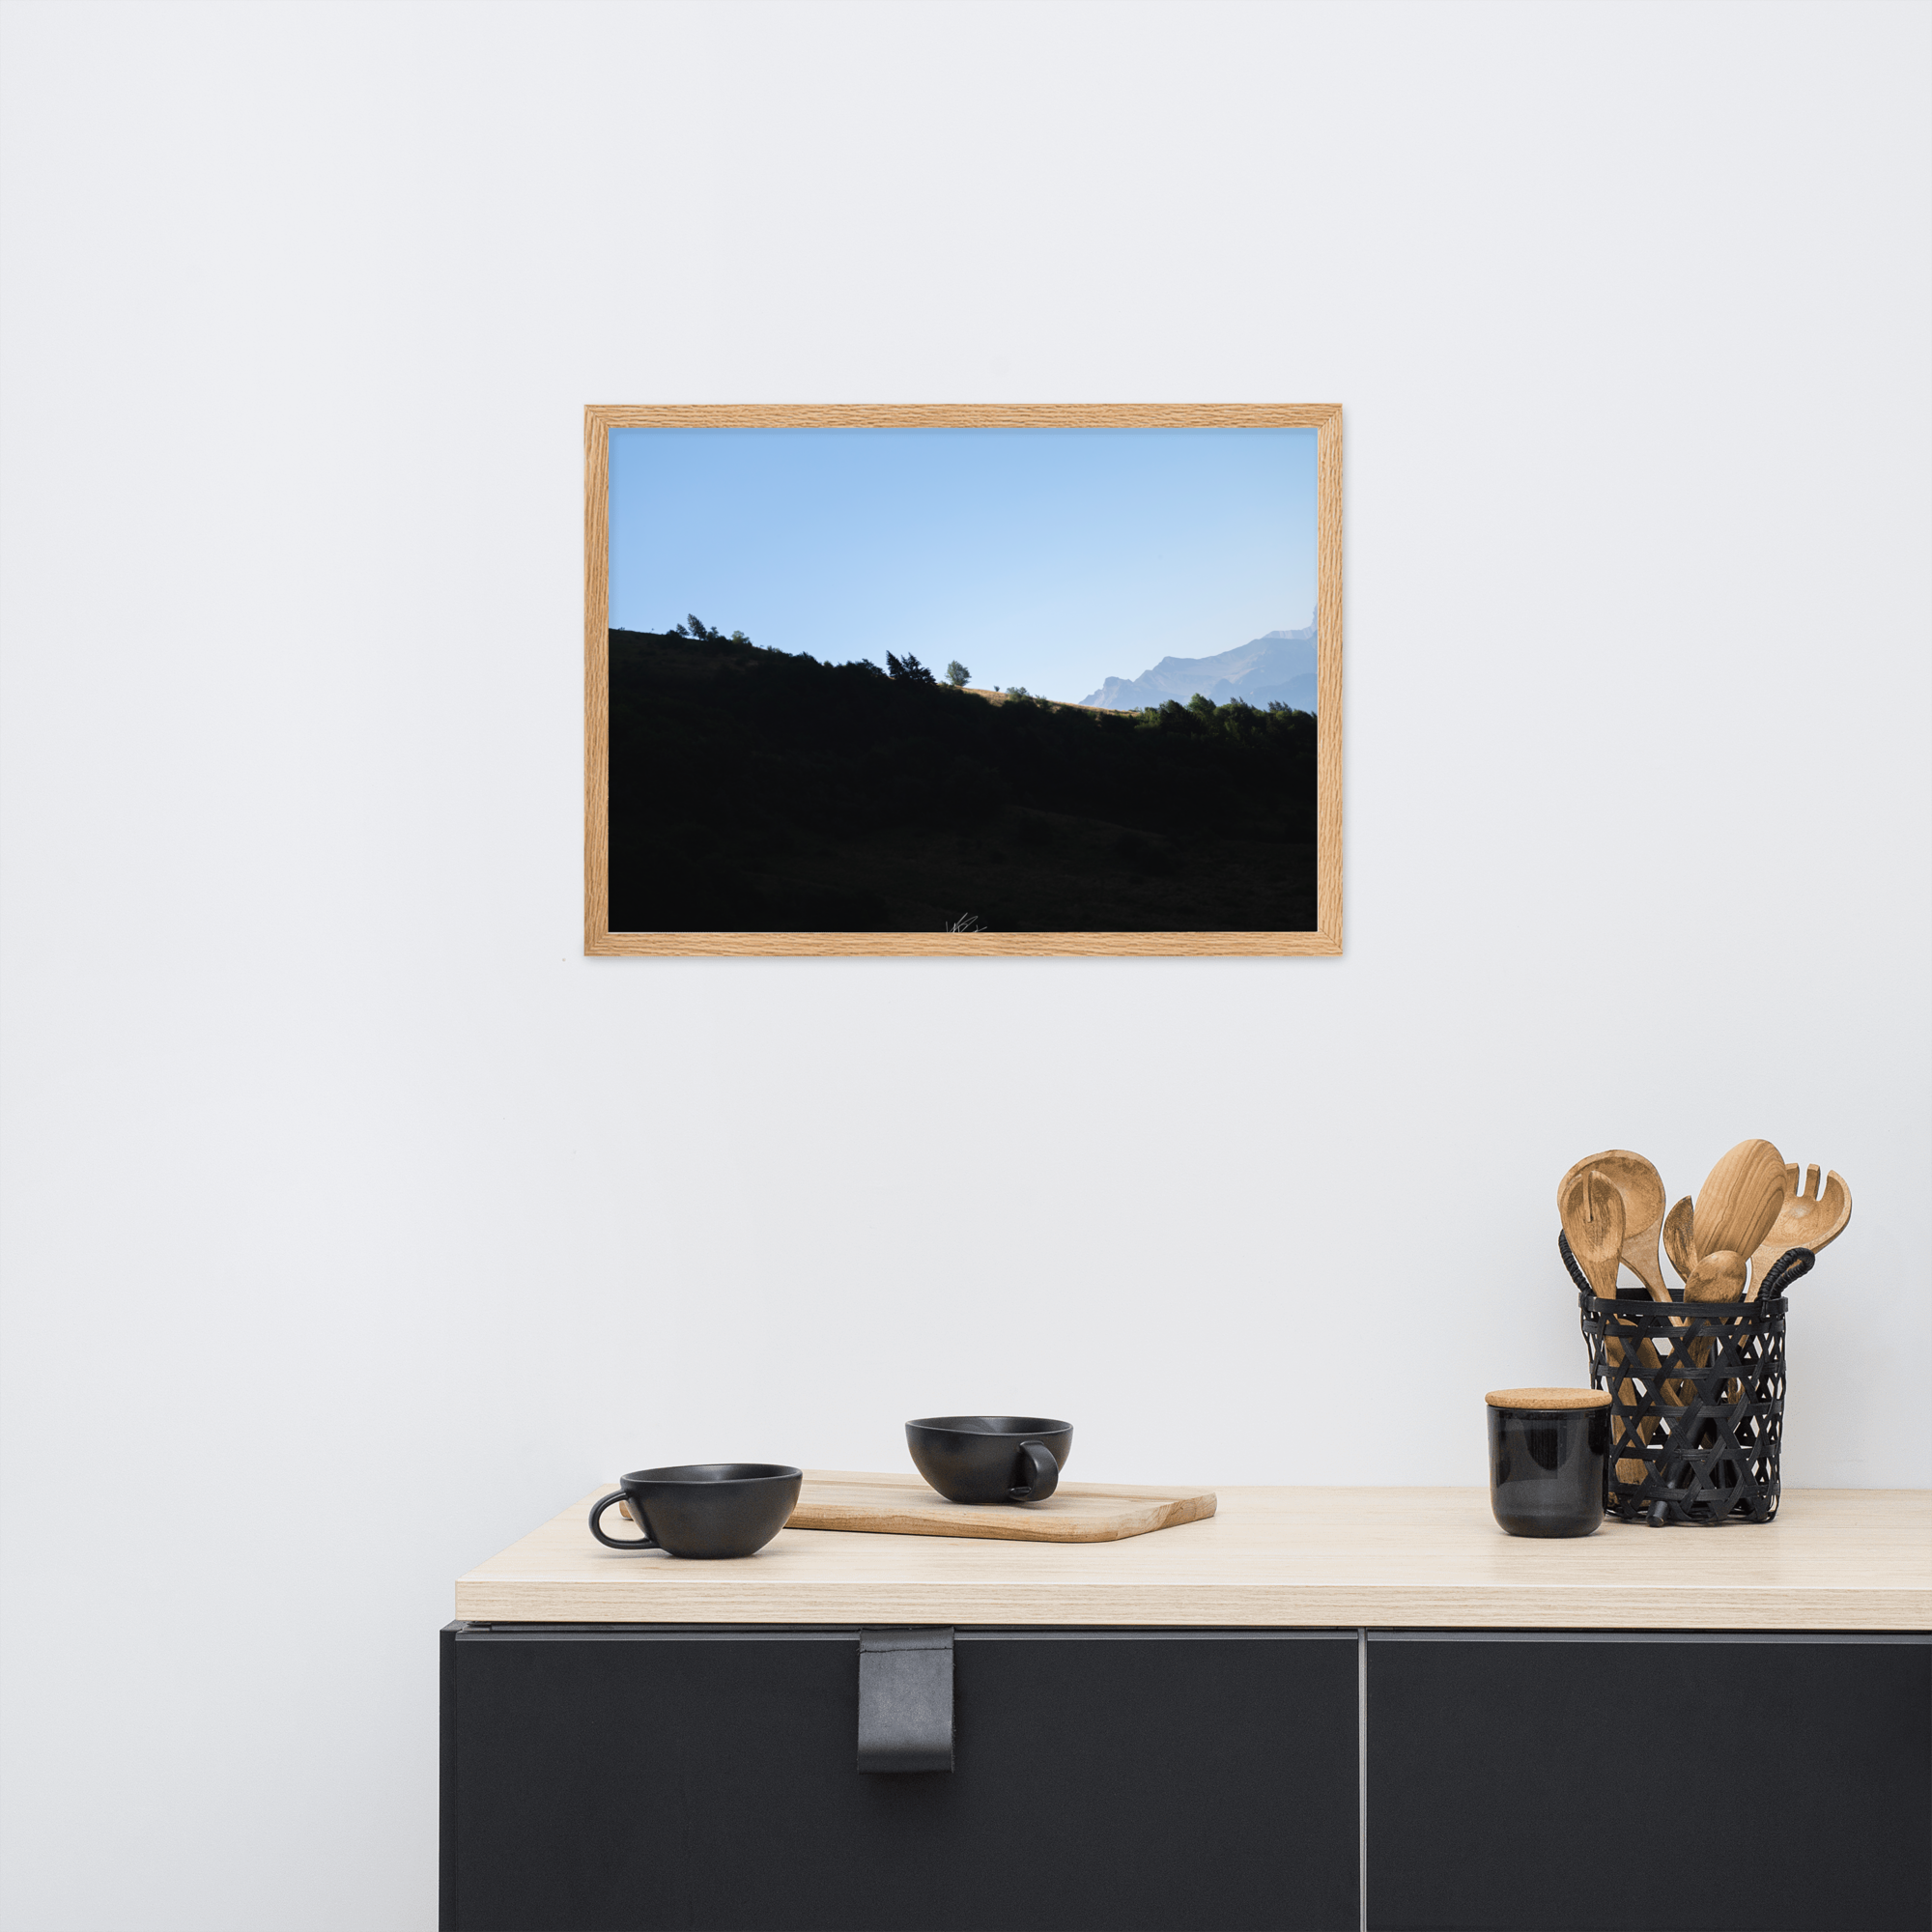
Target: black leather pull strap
{"points": [[905, 1700]]}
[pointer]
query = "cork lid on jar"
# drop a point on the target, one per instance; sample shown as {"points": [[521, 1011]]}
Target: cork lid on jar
{"points": [[1548, 1399]]}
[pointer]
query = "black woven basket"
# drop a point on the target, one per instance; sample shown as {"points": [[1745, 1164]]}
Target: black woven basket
{"points": [[1696, 1400]]}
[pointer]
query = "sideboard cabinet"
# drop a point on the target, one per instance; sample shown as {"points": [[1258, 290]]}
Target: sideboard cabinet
{"points": [[1136, 1769]]}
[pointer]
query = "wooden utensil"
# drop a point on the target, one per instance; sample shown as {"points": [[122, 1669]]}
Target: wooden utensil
{"points": [[1680, 1239], [1629, 1470], [1642, 1191], [1807, 1217], [1719, 1277], [1735, 1208], [1739, 1199], [1680, 1243], [1592, 1209]]}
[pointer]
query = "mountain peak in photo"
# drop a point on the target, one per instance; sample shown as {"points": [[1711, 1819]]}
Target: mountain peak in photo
{"points": [[1275, 668]]}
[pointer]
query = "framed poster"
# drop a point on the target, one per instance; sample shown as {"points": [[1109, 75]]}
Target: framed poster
{"points": [[963, 680]]}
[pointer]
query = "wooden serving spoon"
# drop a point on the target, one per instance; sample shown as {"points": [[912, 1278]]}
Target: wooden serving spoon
{"points": [[1642, 1190], [1807, 1217], [1718, 1277], [1680, 1239], [1738, 1201]]}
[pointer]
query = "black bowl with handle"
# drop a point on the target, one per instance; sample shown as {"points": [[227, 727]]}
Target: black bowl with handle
{"points": [[990, 1459], [704, 1509]]}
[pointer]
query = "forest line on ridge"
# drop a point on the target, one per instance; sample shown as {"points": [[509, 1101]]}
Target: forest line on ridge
{"points": [[754, 790]]}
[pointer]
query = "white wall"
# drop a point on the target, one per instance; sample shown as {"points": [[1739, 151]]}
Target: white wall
{"points": [[355, 1223]]}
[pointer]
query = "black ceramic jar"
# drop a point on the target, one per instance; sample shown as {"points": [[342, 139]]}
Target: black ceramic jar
{"points": [[1549, 1459]]}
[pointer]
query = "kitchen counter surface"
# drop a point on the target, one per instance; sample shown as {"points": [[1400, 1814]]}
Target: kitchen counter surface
{"points": [[1834, 1560]]}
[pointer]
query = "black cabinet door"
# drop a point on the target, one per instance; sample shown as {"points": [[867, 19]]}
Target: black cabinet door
{"points": [[1577, 1782], [597, 1779]]}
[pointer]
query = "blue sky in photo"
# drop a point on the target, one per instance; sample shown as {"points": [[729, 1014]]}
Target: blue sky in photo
{"points": [[1051, 559]]}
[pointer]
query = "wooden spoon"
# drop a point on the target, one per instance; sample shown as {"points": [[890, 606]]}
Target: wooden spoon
{"points": [[1719, 1277], [1593, 1219], [1738, 1201], [1807, 1217], [1680, 1239], [1642, 1190]]}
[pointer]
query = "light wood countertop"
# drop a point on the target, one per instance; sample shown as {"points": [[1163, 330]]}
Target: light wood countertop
{"points": [[1834, 1560]]}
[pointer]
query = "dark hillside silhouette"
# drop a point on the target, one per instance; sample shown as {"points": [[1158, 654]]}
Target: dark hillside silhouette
{"points": [[751, 791]]}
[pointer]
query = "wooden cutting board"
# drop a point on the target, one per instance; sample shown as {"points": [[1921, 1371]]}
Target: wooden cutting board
{"points": [[1075, 1511]]}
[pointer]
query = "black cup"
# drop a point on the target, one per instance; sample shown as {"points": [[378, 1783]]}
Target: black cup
{"points": [[990, 1459], [704, 1509], [1549, 1460]]}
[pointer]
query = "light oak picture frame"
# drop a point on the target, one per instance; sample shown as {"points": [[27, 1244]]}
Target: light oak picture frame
{"points": [[1324, 939]]}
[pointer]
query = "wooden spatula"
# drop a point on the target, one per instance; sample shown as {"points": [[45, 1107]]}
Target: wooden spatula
{"points": [[1642, 1191]]}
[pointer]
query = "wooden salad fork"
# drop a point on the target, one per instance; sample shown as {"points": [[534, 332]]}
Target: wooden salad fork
{"points": [[1643, 1197], [1591, 1208], [1807, 1217]]}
